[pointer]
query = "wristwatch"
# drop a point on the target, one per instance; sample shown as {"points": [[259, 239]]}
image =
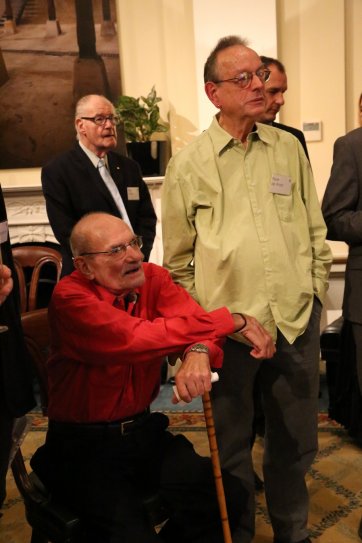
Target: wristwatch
{"points": [[198, 348]]}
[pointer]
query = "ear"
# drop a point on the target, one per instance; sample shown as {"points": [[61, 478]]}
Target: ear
{"points": [[79, 125], [83, 267], [212, 91]]}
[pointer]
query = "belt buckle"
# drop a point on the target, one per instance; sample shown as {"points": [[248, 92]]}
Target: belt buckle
{"points": [[124, 426]]}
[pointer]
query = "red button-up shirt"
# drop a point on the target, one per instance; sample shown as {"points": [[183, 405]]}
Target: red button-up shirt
{"points": [[105, 361]]}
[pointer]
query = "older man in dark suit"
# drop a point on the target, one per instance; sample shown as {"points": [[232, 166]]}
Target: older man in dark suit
{"points": [[342, 210], [92, 177]]}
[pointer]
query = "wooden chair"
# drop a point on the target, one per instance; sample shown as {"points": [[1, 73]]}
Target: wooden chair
{"points": [[30, 262], [50, 521], [37, 338]]}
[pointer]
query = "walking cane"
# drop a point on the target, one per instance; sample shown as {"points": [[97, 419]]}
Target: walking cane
{"points": [[214, 452], [215, 460]]}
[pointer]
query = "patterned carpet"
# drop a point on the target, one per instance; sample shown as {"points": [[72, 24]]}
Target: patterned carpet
{"points": [[334, 482]]}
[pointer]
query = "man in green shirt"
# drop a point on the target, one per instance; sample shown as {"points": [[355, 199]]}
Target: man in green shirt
{"points": [[242, 227]]}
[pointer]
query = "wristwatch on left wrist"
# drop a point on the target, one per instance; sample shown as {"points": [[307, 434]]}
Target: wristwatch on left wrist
{"points": [[198, 348]]}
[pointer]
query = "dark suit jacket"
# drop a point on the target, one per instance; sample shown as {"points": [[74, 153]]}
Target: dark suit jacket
{"points": [[72, 187], [342, 210], [297, 133], [16, 381]]}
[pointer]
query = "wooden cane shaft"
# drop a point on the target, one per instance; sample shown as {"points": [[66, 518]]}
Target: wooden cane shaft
{"points": [[214, 453]]}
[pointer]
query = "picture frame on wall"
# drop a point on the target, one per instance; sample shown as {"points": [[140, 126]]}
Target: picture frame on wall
{"points": [[49, 58]]}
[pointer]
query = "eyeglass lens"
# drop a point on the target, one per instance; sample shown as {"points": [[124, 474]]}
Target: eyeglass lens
{"points": [[102, 119], [121, 249], [246, 77]]}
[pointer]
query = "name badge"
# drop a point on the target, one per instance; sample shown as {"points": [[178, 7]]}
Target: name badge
{"points": [[133, 193], [280, 184], [4, 231]]}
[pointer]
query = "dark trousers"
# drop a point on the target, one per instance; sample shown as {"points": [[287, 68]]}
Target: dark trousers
{"points": [[107, 481], [6, 428], [289, 385], [357, 336]]}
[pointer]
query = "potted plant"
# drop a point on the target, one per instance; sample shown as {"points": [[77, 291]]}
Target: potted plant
{"points": [[141, 121]]}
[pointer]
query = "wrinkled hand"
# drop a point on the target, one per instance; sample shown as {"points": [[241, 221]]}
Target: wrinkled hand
{"points": [[6, 283], [193, 377], [260, 340]]}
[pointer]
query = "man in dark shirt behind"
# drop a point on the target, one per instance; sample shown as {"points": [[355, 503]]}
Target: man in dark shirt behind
{"points": [[112, 322], [92, 177], [275, 88]]}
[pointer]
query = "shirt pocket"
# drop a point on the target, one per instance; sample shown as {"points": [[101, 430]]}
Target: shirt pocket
{"points": [[284, 206]]}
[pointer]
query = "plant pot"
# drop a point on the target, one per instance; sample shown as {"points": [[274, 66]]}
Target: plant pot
{"points": [[150, 155]]}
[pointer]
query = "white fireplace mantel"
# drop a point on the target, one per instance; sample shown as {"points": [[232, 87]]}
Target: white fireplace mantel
{"points": [[28, 220]]}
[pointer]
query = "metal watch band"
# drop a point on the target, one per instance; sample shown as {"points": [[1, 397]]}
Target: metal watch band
{"points": [[199, 348]]}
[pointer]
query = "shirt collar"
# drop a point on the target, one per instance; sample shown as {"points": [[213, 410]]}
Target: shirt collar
{"points": [[223, 140], [92, 156], [109, 297], [265, 132]]}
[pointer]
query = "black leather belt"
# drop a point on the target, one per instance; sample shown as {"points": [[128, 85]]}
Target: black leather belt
{"points": [[99, 429]]}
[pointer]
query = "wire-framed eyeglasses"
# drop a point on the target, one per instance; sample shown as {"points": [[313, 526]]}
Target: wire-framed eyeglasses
{"points": [[244, 79], [120, 250], [100, 120]]}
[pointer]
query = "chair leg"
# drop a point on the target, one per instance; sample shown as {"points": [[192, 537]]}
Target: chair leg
{"points": [[38, 537]]}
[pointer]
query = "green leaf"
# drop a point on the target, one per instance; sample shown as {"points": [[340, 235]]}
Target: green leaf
{"points": [[140, 120]]}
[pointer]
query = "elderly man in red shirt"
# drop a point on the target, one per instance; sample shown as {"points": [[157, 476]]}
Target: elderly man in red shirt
{"points": [[112, 322]]}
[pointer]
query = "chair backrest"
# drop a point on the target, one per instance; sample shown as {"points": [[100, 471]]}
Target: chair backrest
{"points": [[37, 338], [34, 257], [49, 520]]}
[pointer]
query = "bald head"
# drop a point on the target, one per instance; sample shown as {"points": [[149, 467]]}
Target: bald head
{"points": [[90, 101], [91, 232], [107, 252], [95, 123]]}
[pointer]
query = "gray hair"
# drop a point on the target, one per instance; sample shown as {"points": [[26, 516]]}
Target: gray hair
{"points": [[82, 105], [80, 236], [210, 68]]}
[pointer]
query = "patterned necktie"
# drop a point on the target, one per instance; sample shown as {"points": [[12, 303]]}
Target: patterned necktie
{"points": [[111, 186]]}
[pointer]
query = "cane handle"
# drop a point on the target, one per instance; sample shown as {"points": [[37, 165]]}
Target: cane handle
{"points": [[214, 378]]}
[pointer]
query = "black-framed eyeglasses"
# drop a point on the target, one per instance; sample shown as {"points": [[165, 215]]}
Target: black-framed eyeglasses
{"points": [[100, 120], [120, 250], [244, 79]]}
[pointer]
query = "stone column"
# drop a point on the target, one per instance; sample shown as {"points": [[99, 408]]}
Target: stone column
{"points": [[3, 71], [9, 24], [107, 25], [52, 27], [90, 76]]}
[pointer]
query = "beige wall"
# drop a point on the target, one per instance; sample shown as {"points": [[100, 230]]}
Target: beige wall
{"points": [[157, 47], [353, 69], [210, 25], [166, 42], [314, 93], [319, 41]]}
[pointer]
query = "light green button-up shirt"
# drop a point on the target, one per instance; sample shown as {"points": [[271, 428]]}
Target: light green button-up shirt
{"points": [[232, 237]]}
